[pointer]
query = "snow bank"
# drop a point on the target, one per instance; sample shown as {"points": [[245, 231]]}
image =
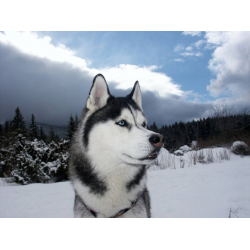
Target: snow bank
{"points": [[185, 148], [178, 152], [237, 144], [201, 191], [216, 190], [182, 150], [37, 201], [240, 148]]}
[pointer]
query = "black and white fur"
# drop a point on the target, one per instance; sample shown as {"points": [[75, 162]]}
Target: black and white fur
{"points": [[109, 154]]}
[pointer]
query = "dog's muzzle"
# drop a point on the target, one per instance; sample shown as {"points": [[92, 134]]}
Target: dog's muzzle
{"points": [[156, 140]]}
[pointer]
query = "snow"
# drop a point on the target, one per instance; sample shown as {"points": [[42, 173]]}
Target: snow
{"points": [[37, 201], [185, 148], [178, 152], [185, 189], [182, 150], [204, 191], [237, 144]]}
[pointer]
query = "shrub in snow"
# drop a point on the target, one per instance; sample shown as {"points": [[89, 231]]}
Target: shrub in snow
{"points": [[210, 156], [182, 150], [34, 161], [164, 160], [185, 149], [240, 148], [194, 144], [178, 152]]}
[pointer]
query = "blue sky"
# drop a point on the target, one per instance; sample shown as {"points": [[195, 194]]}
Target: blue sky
{"points": [[164, 49], [183, 75]]}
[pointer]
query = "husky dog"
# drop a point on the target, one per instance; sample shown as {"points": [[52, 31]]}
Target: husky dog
{"points": [[109, 155]]}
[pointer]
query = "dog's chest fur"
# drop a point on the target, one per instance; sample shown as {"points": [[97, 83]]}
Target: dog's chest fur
{"points": [[122, 187]]}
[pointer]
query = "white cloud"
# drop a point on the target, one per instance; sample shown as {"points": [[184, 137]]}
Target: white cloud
{"points": [[192, 33], [217, 37], [200, 43], [179, 47], [231, 64], [122, 75], [179, 60], [30, 43], [126, 75], [187, 54], [189, 48], [198, 54]]}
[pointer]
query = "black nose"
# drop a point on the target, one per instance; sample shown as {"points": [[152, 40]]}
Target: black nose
{"points": [[156, 140]]}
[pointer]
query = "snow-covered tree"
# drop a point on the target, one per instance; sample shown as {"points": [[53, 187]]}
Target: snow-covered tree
{"points": [[38, 162]]}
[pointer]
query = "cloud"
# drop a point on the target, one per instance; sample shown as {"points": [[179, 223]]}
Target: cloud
{"points": [[200, 43], [179, 60], [198, 54], [179, 47], [217, 37], [173, 109], [125, 75], [122, 75], [50, 90], [189, 48], [192, 33], [230, 64], [188, 54], [41, 47], [56, 84]]}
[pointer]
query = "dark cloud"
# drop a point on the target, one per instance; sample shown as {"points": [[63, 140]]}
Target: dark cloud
{"points": [[172, 109], [53, 91]]}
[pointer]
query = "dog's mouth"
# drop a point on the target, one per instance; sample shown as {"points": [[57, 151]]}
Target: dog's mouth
{"points": [[152, 156]]}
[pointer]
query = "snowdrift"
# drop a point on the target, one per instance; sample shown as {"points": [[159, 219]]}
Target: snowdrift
{"points": [[182, 188]]}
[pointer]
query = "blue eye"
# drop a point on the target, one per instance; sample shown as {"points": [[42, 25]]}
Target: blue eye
{"points": [[122, 123], [144, 124]]}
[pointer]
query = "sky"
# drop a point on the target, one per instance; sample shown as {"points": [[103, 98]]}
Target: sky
{"points": [[182, 75]]}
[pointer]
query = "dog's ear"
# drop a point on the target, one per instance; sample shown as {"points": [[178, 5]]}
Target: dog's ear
{"points": [[136, 95], [99, 93]]}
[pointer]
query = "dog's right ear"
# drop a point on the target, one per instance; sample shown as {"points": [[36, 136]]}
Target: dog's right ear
{"points": [[99, 94]]}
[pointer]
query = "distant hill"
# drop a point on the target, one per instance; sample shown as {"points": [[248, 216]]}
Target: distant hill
{"points": [[59, 130]]}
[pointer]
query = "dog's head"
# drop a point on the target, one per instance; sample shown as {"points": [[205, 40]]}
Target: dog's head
{"points": [[117, 128]]}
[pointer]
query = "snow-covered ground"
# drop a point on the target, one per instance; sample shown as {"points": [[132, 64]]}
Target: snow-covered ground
{"points": [[185, 189]]}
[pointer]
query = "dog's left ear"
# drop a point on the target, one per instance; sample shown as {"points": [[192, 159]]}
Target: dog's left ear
{"points": [[136, 95], [99, 93]]}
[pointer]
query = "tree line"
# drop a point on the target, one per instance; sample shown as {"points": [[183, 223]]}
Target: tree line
{"points": [[219, 130], [17, 125], [29, 155]]}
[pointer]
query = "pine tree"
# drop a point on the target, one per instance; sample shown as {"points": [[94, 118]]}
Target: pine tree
{"points": [[1, 134], [1, 129], [42, 134], [52, 135], [33, 128], [153, 128], [18, 124], [6, 127], [71, 128]]}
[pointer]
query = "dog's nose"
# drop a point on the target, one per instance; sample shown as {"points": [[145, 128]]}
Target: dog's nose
{"points": [[156, 140]]}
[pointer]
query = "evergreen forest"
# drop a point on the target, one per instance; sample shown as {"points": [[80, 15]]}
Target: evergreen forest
{"points": [[29, 155]]}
